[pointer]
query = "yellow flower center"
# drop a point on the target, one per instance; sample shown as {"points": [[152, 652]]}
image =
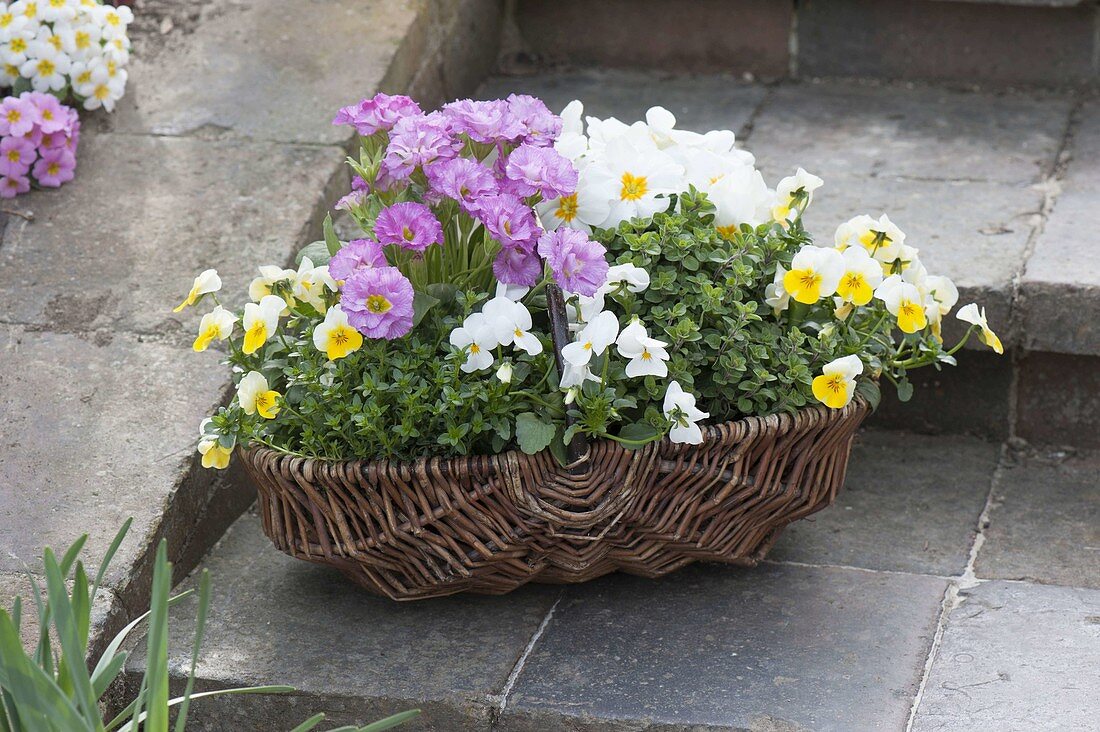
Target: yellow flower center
{"points": [[911, 316], [13, 116], [727, 232], [113, 19], [646, 355], [567, 208], [6, 19], [475, 348], [102, 92], [407, 234], [18, 45], [804, 285], [46, 67], [55, 41], [53, 169], [14, 156], [854, 288], [83, 39], [84, 78], [831, 390], [378, 304], [11, 69], [31, 11], [588, 346], [47, 114], [634, 187]]}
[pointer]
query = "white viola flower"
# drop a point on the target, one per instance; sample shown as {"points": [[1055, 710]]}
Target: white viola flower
{"points": [[512, 292], [511, 322], [581, 309], [592, 340], [260, 322], [635, 181], [836, 385], [208, 281], [971, 314], [862, 275], [775, 297], [260, 287], [47, 68], [647, 355], [793, 195], [335, 337], [815, 273], [504, 373], [633, 277], [215, 325], [309, 284], [740, 197], [905, 302], [882, 238], [256, 397], [942, 295], [213, 454], [586, 207], [477, 337], [680, 407]]}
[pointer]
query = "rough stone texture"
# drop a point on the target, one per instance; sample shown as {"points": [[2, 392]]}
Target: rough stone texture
{"points": [[355, 656], [1016, 657], [916, 132], [704, 35], [776, 647], [176, 207], [106, 610], [915, 39], [1060, 290], [246, 68], [1045, 522], [699, 102], [1059, 399], [908, 505]]}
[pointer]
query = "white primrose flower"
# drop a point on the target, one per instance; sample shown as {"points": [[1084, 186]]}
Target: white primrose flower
{"points": [[54, 11], [572, 142], [680, 407], [46, 67], [793, 195], [512, 322], [836, 385], [971, 314], [632, 276], [777, 298], [477, 336], [261, 321], [113, 20], [208, 281], [815, 273], [647, 355], [17, 32], [633, 179], [593, 340], [740, 197], [662, 124], [215, 325], [586, 207], [704, 167], [905, 302], [256, 397], [334, 336]]}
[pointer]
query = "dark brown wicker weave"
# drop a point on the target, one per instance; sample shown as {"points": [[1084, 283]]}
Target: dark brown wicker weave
{"points": [[489, 524]]}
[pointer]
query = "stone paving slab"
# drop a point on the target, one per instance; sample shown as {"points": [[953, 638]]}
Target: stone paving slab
{"points": [[118, 247], [270, 70], [1044, 525], [275, 619], [699, 102], [1015, 658], [910, 503], [775, 647]]}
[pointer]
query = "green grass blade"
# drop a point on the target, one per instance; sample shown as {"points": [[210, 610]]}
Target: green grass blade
{"points": [[43, 653], [73, 653], [110, 555], [103, 679], [131, 725], [70, 556], [117, 641], [156, 660], [391, 721], [35, 695], [310, 723], [82, 605], [200, 627]]}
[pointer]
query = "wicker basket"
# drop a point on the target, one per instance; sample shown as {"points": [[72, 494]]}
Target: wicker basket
{"points": [[489, 524]]}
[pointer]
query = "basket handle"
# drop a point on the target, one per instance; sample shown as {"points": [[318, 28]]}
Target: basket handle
{"points": [[577, 448]]}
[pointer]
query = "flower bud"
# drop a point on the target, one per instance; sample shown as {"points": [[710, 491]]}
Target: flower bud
{"points": [[504, 373]]}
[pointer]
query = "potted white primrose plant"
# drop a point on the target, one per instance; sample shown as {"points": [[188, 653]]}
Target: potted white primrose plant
{"points": [[558, 349]]}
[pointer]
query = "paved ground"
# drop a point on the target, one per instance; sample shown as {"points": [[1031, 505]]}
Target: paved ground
{"points": [[963, 595]]}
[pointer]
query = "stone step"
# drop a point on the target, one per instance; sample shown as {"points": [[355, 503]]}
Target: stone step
{"points": [[996, 190], [993, 42], [946, 563]]}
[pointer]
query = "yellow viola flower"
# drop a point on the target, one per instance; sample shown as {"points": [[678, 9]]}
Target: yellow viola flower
{"points": [[836, 385], [205, 283], [862, 275], [260, 287], [254, 396], [815, 273], [904, 301], [334, 337], [793, 195], [213, 454], [971, 314], [881, 238], [260, 321], [217, 324]]}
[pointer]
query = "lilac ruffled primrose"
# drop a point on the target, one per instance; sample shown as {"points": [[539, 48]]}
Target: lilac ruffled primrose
{"points": [[544, 170], [378, 302], [355, 255], [379, 113], [578, 263], [485, 122], [409, 225], [464, 180], [417, 142], [509, 220]]}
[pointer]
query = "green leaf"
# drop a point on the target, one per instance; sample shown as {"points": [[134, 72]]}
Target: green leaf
{"points": [[390, 722], [73, 652], [310, 723], [442, 291], [638, 432], [331, 240], [905, 390], [200, 627], [533, 433], [868, 389], [156, 667], [422, 303], [317, 252]]}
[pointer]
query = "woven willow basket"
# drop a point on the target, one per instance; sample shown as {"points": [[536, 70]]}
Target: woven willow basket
{"points": [[489, 524]]}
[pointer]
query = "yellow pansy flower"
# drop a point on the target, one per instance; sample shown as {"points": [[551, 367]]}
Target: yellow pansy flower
{"points": [[217, 324], [836, 385], [254, 396], [904, 301], [335, 337], [971, 314], [205, 283], [815, 273], [862, 275], [260, 321]]}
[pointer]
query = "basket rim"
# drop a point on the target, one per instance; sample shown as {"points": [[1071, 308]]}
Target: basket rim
{"points": [[858, 406]]}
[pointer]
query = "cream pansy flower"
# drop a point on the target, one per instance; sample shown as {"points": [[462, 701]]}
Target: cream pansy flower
{"points": [[905, 302], [334, 336], [256, 397], [679, 407], [592, 340], [309, 284], [512, 322], [213, 454], [862, 275], [647, 355], [504, 373], [836, 385], [881, 238], [634, 181], [260, 287], [793, 195], [815, 273], [215, 325], [208, 281], [260, 322], [971, 314], [477, 336]]}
